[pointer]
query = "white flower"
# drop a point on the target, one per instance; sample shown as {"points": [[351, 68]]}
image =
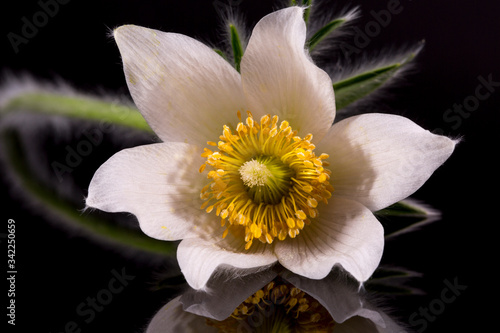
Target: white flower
{"points": [[273, 301], [274, 192]]}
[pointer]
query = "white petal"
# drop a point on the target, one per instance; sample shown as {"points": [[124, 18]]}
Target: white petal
{"points": [[185, 90], [279, 77], [380, 159], [158, 183], [345, 233], [199, 258], [225, 291], [173, 319]]}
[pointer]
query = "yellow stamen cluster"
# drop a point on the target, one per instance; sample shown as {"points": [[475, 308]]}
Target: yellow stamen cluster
{"points": [[278, 304], [264, 179]]}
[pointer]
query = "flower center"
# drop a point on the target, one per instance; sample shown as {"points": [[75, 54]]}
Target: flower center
{"points": [[266, 178], [254, 173], [278, 307], [266, 182]]}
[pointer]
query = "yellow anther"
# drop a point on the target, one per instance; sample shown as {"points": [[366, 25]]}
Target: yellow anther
{"points": [[295, 291], [313, 213], [269, 238], [293, 233], [241, 128], [311, 202], [209, 208], [274, 121], [206, 152], [282, 234], [315, 318], [308, 164], [322, 177], [284, 124], [317, 162], [256, 231], [292, 302], [248, 244], [202, 168], [290, 222], [307, 188], [300, 215], [249, 122], [264, 121]]}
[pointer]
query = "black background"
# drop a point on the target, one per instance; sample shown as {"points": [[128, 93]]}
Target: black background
{"points": [[59, 268]]}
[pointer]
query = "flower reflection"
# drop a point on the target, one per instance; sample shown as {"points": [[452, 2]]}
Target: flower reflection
{"points": [[274, 300]]}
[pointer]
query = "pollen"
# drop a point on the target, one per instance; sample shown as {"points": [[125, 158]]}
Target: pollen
{"points": [[265, 181]]}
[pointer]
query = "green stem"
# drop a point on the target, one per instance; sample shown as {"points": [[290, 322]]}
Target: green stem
{"points": [[84, 108]]}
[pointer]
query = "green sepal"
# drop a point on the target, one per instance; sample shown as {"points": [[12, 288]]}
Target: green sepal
{"points": [[56, 207], [323, 32], [361, 85], [307, 9], [221, 53], [404, 208], [404, 217], [307, 4], [77, 107], [236, 46], [393, 281]]}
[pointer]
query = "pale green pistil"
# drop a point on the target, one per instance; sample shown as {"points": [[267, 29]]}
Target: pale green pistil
{"points": [[267, 179], [253, 173]]}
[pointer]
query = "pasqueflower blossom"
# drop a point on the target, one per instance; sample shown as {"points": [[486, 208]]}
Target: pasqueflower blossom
{"points": [[250, 170], [274, 302]]}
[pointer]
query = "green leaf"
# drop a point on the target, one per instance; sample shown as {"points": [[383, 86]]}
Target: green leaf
{"points": [[323, 32], [357, 87], [84, 108], [236, 46], [55, 206]]}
